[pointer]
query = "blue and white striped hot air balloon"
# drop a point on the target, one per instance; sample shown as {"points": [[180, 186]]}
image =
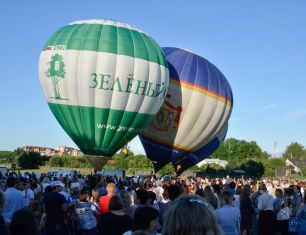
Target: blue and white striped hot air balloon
{"points": [[193, 121]]}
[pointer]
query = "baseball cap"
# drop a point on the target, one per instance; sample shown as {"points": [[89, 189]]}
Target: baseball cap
{"points": [[57, 183]]}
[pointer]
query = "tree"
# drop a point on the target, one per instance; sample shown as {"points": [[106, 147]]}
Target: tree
{"points": [[236, 151], [272, 164], [253, 168], [294, 151], [31, 160]]}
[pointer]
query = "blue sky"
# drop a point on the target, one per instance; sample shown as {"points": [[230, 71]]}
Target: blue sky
{"points": [[260, 46]]}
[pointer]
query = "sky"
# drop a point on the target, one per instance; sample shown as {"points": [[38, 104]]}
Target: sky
{"points": [[260, 47]]}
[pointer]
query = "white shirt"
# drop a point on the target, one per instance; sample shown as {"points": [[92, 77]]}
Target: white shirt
{"points": [[265, 202], [30, 195], [14, 201]]}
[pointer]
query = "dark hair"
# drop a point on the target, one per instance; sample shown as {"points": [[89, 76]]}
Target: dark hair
{"points": [[84, 195], [11, 182], [23, 223], [115, 203], [151, 197], [174, 191], [143, 217], [48, 189], [232, 185], [142, 195]]}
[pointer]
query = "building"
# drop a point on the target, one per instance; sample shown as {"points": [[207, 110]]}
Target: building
{"points": [[61, 150], [208, 161]]}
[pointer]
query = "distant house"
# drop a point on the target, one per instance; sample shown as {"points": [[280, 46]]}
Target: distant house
{"points": [[61, 150], [208, 161], [283, 172], [297, 164]]}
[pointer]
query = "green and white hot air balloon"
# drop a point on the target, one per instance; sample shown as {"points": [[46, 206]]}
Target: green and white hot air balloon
{"points": [[104, 81]]}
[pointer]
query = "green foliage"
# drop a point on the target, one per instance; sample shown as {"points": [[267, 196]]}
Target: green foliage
{"points": [[236, 151], [271, 164], [295, 151], [167, 170], [69, 161], [7, 157], [31, 160], [253, 168]]}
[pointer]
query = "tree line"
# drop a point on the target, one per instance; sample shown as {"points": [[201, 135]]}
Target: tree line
{"points": [[240, 154]]}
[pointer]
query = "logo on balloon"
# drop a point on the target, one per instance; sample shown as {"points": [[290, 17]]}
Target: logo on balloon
{"points": [[56, 72], [168, 117]]}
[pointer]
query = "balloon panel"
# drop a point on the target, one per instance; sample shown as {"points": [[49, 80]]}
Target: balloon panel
{"points": [[197, 107], [104, 81]]}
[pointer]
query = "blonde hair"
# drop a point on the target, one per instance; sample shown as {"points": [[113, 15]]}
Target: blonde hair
{"points": [[191, 214]]}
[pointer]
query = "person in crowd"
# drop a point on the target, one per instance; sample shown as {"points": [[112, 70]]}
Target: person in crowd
{"points": [[172, 192], [266, 220], [55, 207], [210, 197], [278, 201], [14, 199], [45, 183], [28, 193], [145, 219], [217, 192], [297, 200], [114, 222], [301, 215], [2, 223], [23, 223], [141, 198], [127, 204], [247, 211], [191, 215], [95, 202], [152, 200], [104, 200], [236, 196], [87, 223], [228, 215]]}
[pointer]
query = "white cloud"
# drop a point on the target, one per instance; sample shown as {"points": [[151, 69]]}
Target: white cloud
{"points": [[268, 107]]}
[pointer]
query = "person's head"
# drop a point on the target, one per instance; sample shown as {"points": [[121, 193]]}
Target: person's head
{"points": [[182, 217], [262, 188], [217, 188], [142, 196], [174, 191], [2, 199], [227, 198], [246, 190], [95, 194], [11, 181], [296, 189], [279, 193], [57, 186], [48, 189], [111, 189], [146, 219], [84, 195], [151, 197], [115, 203], [126, 198], [23, 223], [238, 189], [232, 185]]}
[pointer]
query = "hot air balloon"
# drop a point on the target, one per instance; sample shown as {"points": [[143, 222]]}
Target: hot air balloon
{"points": [[193, 120], [104, 81]]}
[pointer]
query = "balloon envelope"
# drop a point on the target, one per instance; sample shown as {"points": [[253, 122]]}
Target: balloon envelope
{"points": [[193, 120], [104, 81]]}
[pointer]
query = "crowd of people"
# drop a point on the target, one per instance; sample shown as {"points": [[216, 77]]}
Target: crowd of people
{"points": [[106, 205]]}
